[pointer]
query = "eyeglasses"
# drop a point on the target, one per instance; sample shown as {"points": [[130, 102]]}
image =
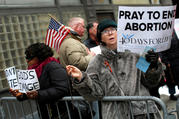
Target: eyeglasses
{"points": [[106, 32]]}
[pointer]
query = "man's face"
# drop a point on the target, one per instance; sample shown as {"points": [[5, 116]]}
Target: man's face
{"points": [[93, 30], [80, 28]]}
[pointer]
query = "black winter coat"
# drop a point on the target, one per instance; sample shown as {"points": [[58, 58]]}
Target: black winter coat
{"points": [[53, 83], [176, 2], [53, 86], [89, 43], [171, 56]]}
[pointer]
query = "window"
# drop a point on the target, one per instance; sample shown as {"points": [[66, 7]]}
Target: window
{"points": [[30, 2], [69, 2], [155, 1], [131, 2], [101, 1], [105, 15]]}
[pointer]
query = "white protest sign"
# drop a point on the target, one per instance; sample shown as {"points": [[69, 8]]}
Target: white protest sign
{"points": [[28, 80], [12, 77], [176, 26], [96, 50], [139, 27]]}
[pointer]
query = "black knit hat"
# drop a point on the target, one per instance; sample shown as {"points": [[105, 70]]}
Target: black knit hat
{"points": [[104, 24]]}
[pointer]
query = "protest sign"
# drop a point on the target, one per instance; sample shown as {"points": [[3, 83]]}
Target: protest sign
{"points": [[12, 77], [139, 27], [28, 80], [96, 50], [176, 26]]}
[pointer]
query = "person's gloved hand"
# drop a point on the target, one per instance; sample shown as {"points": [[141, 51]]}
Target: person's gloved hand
{"points": [[152, 57]]}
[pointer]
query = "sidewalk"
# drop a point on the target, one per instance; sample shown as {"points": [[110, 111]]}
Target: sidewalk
{"points": [[164, 96], [170, 104]]}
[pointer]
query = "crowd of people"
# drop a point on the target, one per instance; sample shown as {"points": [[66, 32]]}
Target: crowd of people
{"points": [[80, 72]]}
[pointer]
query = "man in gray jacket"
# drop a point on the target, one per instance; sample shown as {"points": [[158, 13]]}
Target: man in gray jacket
{"points": [[114, 73]]}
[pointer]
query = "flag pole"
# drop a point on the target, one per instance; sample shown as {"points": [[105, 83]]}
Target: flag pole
{"points": [[54, 18]]}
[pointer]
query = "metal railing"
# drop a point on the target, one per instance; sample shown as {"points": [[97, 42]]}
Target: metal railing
{"points": [[10, 108]]}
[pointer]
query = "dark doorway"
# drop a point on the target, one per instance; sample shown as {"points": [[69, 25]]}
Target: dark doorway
{"points": [[104, 15]]}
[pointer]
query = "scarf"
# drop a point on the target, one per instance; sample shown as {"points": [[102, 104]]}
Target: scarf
{"points": [[39, 66]]}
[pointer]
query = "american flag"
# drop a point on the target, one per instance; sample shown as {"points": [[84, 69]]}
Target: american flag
{"points": [[56, 33]]}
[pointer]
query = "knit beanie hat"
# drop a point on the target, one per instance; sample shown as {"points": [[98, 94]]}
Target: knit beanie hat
{"points": [[104, 24]]}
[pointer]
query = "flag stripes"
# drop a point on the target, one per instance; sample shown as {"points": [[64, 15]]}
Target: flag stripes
{"points": [[56, 33]]}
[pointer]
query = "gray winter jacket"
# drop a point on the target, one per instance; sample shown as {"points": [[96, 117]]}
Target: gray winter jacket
{"points": [[115, 74]]}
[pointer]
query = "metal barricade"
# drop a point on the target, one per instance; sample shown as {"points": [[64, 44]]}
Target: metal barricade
{"points": [[177, 108], [10, 108], [13, 109]]}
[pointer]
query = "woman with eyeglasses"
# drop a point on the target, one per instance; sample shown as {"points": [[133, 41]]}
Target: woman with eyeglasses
{"points": [[114, 73], [53, 80]]}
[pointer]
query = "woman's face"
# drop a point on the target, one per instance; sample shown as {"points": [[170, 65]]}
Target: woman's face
{"points": [[109, 37], [32, 61]]}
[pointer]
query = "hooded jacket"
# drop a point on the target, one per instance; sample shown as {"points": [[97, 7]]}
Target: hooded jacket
{"points": [[115, 74]]}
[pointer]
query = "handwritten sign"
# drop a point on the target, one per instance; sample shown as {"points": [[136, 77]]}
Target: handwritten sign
{"points": [[23, 80], [12, 77], [28, 80], [139, 27]]}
